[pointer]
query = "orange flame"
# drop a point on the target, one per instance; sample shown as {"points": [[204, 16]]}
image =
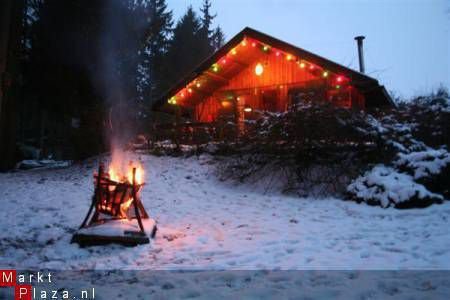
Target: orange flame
{"points": [[138, 176], [117, 175], [120, 171]]}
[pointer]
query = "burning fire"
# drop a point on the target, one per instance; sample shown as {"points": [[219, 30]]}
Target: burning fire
{"points": [[120, 171], [119, 174]]}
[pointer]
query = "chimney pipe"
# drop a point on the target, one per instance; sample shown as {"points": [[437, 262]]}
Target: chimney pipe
{"points": [[359, 40]]}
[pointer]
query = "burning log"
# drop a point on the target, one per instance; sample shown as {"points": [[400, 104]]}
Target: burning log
{"points": [[111, 204]]}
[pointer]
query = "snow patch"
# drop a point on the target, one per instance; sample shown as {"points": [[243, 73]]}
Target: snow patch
{"points": [[424, 163], [385, 186]]}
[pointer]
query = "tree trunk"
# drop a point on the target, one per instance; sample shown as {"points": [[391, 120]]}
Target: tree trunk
{"points": [[11, 21]]}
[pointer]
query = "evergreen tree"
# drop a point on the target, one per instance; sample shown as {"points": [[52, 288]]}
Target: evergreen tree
{"points": [[207, 18], [11, 27], [158, 34], [82, 59], [217, 39], [205, 32], [61, 54], [184, 52]]}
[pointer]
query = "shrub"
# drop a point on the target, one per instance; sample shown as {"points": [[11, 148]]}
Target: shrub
{"points": [[386, 187], [314, 147], [430, 168], [429, 117]]}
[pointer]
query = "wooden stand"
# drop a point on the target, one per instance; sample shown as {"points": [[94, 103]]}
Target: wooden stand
{"points": [[111, 220]]}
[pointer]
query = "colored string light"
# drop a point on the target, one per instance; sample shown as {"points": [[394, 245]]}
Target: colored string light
{"points": [[172, 100], [259, 68]]}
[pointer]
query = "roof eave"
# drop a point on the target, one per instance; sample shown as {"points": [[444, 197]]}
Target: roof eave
{"points": [[359, 79]]}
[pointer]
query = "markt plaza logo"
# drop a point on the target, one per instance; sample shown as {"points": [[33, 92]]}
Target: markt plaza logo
{"points": [[25, 286], [21, 291]]}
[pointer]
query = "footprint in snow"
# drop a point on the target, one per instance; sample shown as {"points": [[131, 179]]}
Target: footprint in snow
{"points": [[309, 260], [203, 239], [289, 250], [242, 226]]}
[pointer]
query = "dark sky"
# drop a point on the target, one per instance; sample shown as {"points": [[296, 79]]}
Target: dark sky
{"points": [[407, 41]]}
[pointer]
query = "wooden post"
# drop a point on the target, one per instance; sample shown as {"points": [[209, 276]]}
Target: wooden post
{"points": [[95, 197], [136, 209], [177, 127], [237, 118]]}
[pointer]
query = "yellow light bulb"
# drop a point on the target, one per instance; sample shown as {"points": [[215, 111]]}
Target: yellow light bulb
{"points": [[172, 100]]}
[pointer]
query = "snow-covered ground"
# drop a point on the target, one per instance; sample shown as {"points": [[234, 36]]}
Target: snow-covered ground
{"points": [[208, 224], [205, 224]]}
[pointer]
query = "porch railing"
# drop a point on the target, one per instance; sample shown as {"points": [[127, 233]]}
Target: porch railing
{"points": [[194, 133]]}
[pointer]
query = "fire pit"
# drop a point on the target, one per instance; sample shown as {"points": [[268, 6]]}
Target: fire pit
{"points": [[116, 214]]}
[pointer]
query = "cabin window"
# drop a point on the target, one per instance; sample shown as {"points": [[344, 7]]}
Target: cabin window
{"points": [[340, 97], [270, 99], [298, 96]]}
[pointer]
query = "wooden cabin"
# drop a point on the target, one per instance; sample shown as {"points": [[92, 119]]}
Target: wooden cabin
{"points": [[255, 71]]}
